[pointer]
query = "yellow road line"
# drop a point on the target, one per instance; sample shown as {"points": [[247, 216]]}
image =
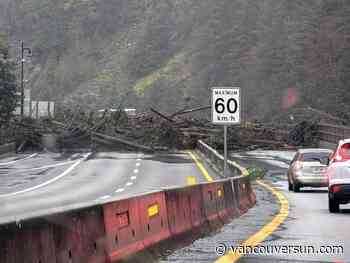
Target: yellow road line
{"points": [[201, 167], [267, 230]]}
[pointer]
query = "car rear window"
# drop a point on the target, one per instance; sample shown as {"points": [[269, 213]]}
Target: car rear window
{"points": [[315, 157], [345, 151]]}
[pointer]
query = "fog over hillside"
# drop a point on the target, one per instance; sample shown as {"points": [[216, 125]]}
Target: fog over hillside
{"points": [[168, 54]]}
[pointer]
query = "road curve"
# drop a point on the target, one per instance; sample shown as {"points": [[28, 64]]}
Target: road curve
{"points": [[309, 222], [94, 179]]}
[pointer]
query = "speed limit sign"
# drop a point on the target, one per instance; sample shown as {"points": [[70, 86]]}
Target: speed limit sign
{"points": [[226, 106]]}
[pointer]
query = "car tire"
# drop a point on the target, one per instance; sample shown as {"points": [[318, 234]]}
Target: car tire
{"points": [[290, 186], [333, 205], [296, 187]]}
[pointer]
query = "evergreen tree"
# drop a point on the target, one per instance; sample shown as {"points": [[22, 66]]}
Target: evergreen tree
{"points": [[8, 97]]}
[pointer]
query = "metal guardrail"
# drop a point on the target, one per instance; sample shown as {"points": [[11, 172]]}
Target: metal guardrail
{"points": [[218, 160], [333, 133]]}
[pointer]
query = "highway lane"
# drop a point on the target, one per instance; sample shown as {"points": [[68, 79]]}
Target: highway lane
{"points": [[96, 179], [25, 171], [309, 222]]}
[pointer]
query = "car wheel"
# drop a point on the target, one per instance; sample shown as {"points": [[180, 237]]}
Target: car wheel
{"points": [[290, 186], [333, 205], [296, 187]]}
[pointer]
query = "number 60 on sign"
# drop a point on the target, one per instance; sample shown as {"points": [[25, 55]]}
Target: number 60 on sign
{"points": [[226, 105]]}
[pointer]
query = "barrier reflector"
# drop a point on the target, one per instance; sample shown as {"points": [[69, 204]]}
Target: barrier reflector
{"points": [[123, 228], [178, 204], [243, 186], [220, 200], [153, 210], [153, 218]]}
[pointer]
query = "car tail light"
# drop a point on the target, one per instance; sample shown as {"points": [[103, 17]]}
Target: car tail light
{"points": [[343, 153], [339, 158], [335, 188]]}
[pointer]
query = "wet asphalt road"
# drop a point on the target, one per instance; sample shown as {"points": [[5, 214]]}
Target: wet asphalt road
{"points": [[309, 222], [105, 176], [34, 185]]}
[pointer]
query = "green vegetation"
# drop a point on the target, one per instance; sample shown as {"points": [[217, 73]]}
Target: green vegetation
{"points": [[172, 52], [169, 70], [256, 173], [8, 97]]}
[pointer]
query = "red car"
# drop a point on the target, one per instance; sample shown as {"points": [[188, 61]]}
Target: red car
{"points": [[339, 176], [342, 153]]}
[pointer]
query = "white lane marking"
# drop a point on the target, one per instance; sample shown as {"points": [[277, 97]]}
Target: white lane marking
{"points": [[139, 155], [136, 171], [12, 162], [129, 184], [46, 166], [133, 177], [104, 197], [119, 190], [138, 160], [71, 168], [138, 164]]}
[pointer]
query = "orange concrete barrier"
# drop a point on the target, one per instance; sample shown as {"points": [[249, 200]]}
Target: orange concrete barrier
{"points": [[27, 242], [153, 218], [78, 237], [70, 237], [179, 210], [246, 196], [134, 224], [231, 202], [214, 201], [196, 206], [117, 229], [209, 201], [221, 208], [123, 230]]}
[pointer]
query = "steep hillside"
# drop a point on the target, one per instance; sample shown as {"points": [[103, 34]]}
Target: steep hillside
{"points": [[168, 54]]}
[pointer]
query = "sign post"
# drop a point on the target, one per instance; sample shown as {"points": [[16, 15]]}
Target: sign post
{"points": [[226, 110], [225, 150]]}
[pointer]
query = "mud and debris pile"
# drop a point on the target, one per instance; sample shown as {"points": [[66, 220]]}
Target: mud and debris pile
{"points": [[151, 130], [305, 133], [154, 130]]}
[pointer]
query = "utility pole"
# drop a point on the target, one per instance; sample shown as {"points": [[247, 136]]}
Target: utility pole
{"points": [[23, 50]]}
